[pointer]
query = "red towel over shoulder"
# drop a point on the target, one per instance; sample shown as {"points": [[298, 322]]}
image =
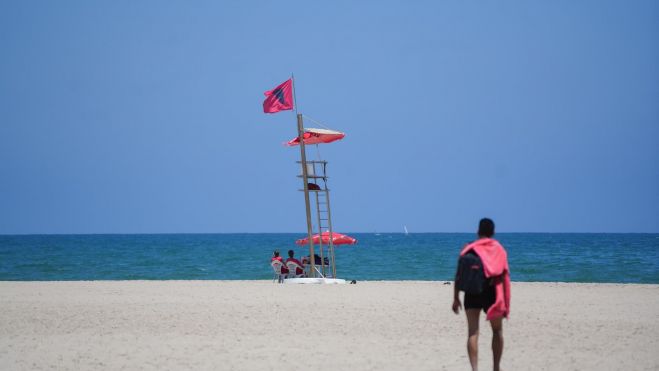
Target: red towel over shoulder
{"points": [[495, 264]]}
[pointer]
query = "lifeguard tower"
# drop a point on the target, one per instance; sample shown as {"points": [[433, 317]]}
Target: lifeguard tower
{"points": [[317, 194], [322, 269]]}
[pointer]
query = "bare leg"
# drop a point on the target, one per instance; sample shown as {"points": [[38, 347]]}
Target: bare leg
{"points": [[472, 341], [497, 341]]}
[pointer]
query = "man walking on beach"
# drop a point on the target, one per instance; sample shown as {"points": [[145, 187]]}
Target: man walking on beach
{"points": [[493, 297]]}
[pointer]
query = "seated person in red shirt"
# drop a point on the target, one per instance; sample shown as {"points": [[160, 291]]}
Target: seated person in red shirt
{"points": [[276, 256], [300, 268]]}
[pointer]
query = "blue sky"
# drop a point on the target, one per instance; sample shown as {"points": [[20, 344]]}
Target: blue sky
{"points": [[146, 117]]}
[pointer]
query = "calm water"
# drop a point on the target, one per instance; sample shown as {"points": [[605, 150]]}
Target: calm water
{"points": [[427, 256]]}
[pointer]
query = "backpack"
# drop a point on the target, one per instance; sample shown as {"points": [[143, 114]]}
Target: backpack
{"points": [[470, 277]]}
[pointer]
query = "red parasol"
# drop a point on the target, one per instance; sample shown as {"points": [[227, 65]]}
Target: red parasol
{"points": [[316, 136], [337, 239]]}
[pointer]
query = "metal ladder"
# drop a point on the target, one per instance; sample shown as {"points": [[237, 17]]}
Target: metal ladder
{"points": [[317, 170]]}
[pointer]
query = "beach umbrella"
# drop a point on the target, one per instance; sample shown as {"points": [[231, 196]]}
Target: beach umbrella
{"points": [[337, 239], [317, 136]]}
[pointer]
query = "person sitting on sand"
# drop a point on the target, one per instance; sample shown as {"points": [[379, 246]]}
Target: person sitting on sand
{"points": [[299, 270], [494, 299], [284, 269]]}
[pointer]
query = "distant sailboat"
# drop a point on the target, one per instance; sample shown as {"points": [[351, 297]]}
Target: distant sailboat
{"points": [[405, 228]]}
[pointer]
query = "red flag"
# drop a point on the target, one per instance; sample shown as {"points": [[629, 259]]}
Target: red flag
{"points": [[279, 98]]}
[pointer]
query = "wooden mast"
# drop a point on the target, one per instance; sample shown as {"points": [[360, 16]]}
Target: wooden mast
{"points": [[305, 181]]}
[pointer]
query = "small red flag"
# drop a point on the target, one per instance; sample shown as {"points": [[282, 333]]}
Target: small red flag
{"points": [[279, 98]]}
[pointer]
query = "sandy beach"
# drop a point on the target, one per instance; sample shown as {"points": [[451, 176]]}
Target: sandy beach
{"points": [[258, 325]]}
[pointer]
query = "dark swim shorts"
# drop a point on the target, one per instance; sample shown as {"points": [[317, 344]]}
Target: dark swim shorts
{"points": [[484, 300]]}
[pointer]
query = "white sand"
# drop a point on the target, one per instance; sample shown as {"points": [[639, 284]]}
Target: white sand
{"points": [[257, 325]]}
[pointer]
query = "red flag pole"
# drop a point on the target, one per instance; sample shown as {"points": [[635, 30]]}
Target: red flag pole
{"points": [[303, 161]]}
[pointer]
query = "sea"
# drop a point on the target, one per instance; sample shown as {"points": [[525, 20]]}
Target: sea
{"points": [[537, 257]]}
